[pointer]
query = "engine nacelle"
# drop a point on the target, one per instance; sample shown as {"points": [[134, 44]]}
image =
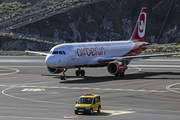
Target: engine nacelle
{"points": [[116, 68], [54, 71]]}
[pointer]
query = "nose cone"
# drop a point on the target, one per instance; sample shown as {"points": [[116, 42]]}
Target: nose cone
{"points": [[49, 61]]}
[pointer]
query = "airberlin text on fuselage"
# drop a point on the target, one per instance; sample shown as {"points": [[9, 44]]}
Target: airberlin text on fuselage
{"points": [[91, 51]]}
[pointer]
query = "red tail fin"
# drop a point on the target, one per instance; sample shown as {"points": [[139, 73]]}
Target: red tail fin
{"points": [[139, 31]]}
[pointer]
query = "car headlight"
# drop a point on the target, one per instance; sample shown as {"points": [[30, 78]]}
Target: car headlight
{"points": [[87, 108], [75, 108]]}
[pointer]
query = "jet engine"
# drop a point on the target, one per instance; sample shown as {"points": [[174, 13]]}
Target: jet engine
{"points": [[116, 68], [53, 70]]}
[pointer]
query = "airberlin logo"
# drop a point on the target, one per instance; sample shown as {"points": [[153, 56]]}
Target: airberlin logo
{"points": [[91, 51], [142, 24]]}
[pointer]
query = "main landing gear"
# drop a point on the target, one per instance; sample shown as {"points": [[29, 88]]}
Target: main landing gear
{"points": [[80, 72], [121, 75]]}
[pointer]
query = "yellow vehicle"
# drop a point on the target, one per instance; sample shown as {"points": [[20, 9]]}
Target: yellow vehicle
{"points": [[88, 103]]}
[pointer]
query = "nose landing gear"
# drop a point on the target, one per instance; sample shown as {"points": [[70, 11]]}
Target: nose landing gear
{"points": [[63, 77], [78, 72]]}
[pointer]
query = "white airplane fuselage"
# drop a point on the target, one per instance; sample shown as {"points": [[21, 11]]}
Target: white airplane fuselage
{"points": [[87, 54]]}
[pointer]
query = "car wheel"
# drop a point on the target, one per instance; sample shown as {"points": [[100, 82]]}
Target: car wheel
{"points": [[91, 111], [99, 109], [76, 112]]}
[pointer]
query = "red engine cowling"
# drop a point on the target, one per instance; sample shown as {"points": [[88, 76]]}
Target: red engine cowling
{"points": [[116, 68], [53, 70]]}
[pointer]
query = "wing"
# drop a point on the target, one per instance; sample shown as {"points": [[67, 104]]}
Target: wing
{"points": [[40, 53], [105, 60]]}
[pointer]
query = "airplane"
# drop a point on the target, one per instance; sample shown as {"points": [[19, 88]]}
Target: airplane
{"points": [[116, 55]]}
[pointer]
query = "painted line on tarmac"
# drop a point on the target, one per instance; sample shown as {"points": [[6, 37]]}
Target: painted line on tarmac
{"points": [[117, 112], [42, 88], [9, 69], [157, 66], [139, 69], [173, 89], [33, 89], [88, 88], [3, 92], [139, 109], [161, 60], [104, 113], [29, 118]]}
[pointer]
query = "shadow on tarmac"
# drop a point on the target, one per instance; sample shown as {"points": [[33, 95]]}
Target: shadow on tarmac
{"points": [[140, 75]]}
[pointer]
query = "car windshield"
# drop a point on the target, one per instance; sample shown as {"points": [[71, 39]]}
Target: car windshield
{"points": [[85, 101]]}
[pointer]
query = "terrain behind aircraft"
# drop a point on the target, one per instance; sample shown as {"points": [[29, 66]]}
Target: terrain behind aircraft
{"points": [[116, 55]]}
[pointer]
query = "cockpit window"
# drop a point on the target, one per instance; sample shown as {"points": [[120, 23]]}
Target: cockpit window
{"points": [[55, 52], [60, 52], [50, 52], [63, 52]]}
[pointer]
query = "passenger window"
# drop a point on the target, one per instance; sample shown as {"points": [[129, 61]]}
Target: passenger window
{"points": [[97, 100], [94, 101]]}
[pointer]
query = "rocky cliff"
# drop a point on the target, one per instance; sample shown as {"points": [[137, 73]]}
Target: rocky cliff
{"points": [[102, 21]]}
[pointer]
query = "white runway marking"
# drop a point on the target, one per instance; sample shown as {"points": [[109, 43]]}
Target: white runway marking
{"points": [[162, 60], [9, 71], [162, 66], [117, 112], [20, 61], [29, 118], [169, 87], [80, 88], [33, 89]]}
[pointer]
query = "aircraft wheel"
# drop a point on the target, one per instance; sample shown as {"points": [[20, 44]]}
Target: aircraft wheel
{"points": [[122, 74], [117, 75], [82, 72], [62, 78], [77, 73]]}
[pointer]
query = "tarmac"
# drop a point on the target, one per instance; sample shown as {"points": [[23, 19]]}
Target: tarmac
{"points": [[150, 90]]}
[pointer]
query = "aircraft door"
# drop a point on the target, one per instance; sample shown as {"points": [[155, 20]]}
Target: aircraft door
{"points": [[73, 60], [73, 54]]}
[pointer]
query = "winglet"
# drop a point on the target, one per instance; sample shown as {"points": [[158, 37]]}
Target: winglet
{"points": [[139, 31]]}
